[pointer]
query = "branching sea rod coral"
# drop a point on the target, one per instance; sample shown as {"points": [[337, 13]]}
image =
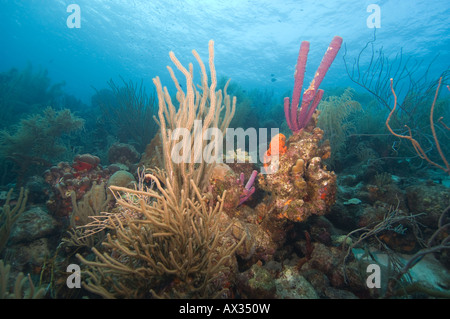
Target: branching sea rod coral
{"points": [[8, 215], [417, 147], [214, 108], [170, 242], [23, 287], [176, 246]]}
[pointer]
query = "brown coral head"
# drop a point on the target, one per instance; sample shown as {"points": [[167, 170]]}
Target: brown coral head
{"points": [[85, 162]]}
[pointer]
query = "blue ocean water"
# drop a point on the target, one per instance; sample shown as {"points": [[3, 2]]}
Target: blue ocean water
{"points": [[370, 182], [254, 39]]}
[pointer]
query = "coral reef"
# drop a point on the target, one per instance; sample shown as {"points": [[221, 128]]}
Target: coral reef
{"points": [[223, 178], [9, 216], [121, 178], [78, 178], [249, 189], [176, 221], [337, 119], [39, 135], [301, 186], [158, 227], [295, 173], [123, 153], [33, 240], [445, 166], [23, 287], [37, 140], [429, 200], [127, 112], [186, 224]]}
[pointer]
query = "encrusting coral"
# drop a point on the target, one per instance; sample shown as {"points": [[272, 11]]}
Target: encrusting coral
{"points": [[67, 180], [301, 185]]}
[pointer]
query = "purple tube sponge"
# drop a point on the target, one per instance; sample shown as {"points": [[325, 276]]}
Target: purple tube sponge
{"points": [[298, 117], [249, 189]]}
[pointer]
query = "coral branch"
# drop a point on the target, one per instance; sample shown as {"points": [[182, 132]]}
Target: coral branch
{"points": [[8, 215], [419, 150]]}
